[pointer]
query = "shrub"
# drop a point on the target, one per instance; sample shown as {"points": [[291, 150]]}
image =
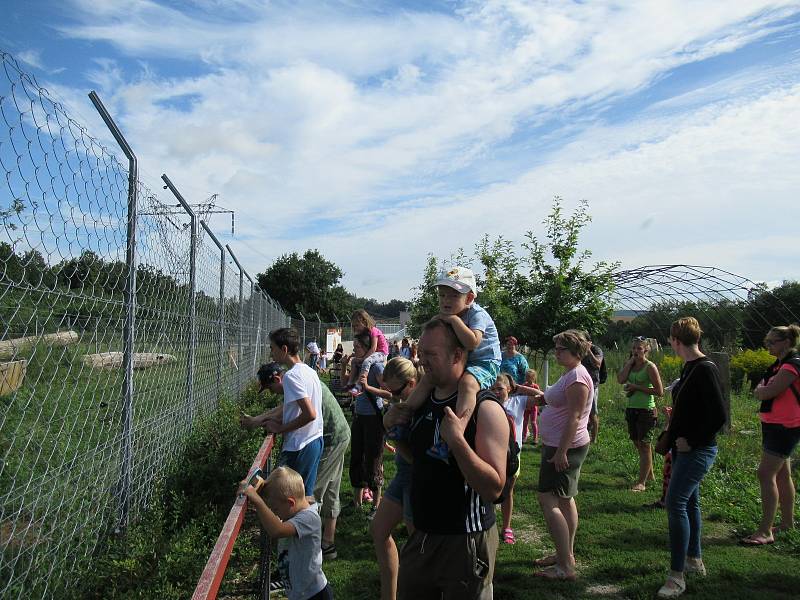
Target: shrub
{"points": [[749, 364], [670, 368]]}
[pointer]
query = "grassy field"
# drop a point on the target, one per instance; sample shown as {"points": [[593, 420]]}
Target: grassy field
{"points": [[621, 547]]}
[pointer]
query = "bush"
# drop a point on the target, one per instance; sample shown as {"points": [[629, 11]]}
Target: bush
{"points": [[670, 368], [163, 553], [749, 364]]}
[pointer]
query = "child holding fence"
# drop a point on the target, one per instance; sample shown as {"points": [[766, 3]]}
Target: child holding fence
{"points": [[284, 512]]}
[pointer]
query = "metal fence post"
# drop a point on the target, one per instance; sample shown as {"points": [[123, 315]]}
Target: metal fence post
{"points": [[126, 475], [192, 308], [221, 324], [249, 319], [303, 343], [241, 323]]}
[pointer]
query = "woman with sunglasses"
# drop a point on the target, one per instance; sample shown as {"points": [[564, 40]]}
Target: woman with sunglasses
{"points": [[399, 379], [779, 393], [642, 383], [565, 442]]}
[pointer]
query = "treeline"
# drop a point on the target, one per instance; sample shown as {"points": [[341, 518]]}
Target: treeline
{"points": [[309, 284], [79, 291]]}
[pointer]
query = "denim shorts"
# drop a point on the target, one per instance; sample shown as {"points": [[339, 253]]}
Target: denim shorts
{"points": [[399, 490], [778, 440], [305, 462], [485, 371]]}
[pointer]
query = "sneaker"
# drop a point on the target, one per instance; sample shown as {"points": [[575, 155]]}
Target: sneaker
{"points": [[329, 552], [398, 433], [277, 586], [372, 513], [694, 566], [439, 451]]}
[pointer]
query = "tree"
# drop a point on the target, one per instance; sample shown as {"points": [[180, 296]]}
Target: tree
{"points": [[307, 284], [425, 304], [559, 292], [765, 309], [535, 296]]}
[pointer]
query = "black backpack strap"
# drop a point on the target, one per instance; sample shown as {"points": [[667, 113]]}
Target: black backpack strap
{"points": [[794, 360]]}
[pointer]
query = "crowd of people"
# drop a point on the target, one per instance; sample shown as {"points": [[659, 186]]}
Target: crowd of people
{"points": [[459, 410]]}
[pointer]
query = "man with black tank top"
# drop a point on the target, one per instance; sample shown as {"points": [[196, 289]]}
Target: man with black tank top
{"points": [[451, 553]]}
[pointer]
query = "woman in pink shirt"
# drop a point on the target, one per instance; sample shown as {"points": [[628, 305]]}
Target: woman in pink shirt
{"points": [[779, 393], [565, 443]]}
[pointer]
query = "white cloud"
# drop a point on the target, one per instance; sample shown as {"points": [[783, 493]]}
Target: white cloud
{"points": [[306, 112]]}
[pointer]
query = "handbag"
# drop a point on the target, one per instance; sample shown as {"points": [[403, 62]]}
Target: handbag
{"points": [[663, 445]]}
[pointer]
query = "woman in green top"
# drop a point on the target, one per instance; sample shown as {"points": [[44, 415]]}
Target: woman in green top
{"points": [[642, 384]]}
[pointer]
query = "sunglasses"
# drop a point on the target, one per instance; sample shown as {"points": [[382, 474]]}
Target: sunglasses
{"points": [[639, 338], [399, 391]]}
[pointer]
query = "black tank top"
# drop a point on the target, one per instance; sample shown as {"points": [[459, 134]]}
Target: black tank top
{"points": [[441, 500]]}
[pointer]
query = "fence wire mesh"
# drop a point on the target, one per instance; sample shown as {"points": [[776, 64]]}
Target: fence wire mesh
{"points": [[72, 468], [733, 311]]}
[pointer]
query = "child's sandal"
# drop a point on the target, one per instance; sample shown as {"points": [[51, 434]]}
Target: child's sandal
{"points": [[508, 536]]}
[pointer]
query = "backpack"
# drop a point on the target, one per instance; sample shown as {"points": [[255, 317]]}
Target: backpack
{"points": [[512, 451], [792, 359], [603, 371]]}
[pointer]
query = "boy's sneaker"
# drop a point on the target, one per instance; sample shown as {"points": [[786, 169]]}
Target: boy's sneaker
{"points": [[439, 451], [398, 433], [277, 586], [355, 389], [329, 552]]}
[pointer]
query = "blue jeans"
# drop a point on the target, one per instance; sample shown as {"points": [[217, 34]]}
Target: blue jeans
{"points": [[305, 462], [683, 503]]}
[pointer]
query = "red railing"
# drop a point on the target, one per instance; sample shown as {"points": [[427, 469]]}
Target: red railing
{"points": [[210, 580]]}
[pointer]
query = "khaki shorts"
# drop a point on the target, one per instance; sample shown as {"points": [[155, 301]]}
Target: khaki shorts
{"points": [[329, 478], [448, 567]]}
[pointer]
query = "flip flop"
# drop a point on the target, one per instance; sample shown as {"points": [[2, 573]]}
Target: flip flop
{"points": [[556, 572], [750, 540], [545, 561]]}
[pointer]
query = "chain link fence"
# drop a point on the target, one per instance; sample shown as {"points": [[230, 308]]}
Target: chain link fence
{"points": [[122, 320]]}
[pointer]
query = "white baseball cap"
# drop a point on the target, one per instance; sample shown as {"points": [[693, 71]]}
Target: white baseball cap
{"points": [[460, 279]]}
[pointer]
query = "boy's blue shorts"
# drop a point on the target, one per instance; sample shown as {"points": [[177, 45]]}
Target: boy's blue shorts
{"points": [[485, 371], [305, 462]]}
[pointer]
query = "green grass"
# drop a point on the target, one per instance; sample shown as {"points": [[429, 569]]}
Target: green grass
{"points": [[61, 444]]}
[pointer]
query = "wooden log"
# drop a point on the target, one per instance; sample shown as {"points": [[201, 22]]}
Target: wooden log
{"points": [[12, 374], [8, 348], [113, 360]]}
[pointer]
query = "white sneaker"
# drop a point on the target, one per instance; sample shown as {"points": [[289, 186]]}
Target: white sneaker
{"points": [[672, 588], [695, 566]]}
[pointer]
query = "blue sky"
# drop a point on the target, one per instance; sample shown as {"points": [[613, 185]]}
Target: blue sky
{"points": [[381, 131]]}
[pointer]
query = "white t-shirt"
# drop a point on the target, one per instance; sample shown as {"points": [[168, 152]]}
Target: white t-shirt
{"points": [[515, 408], [301, 381]]}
